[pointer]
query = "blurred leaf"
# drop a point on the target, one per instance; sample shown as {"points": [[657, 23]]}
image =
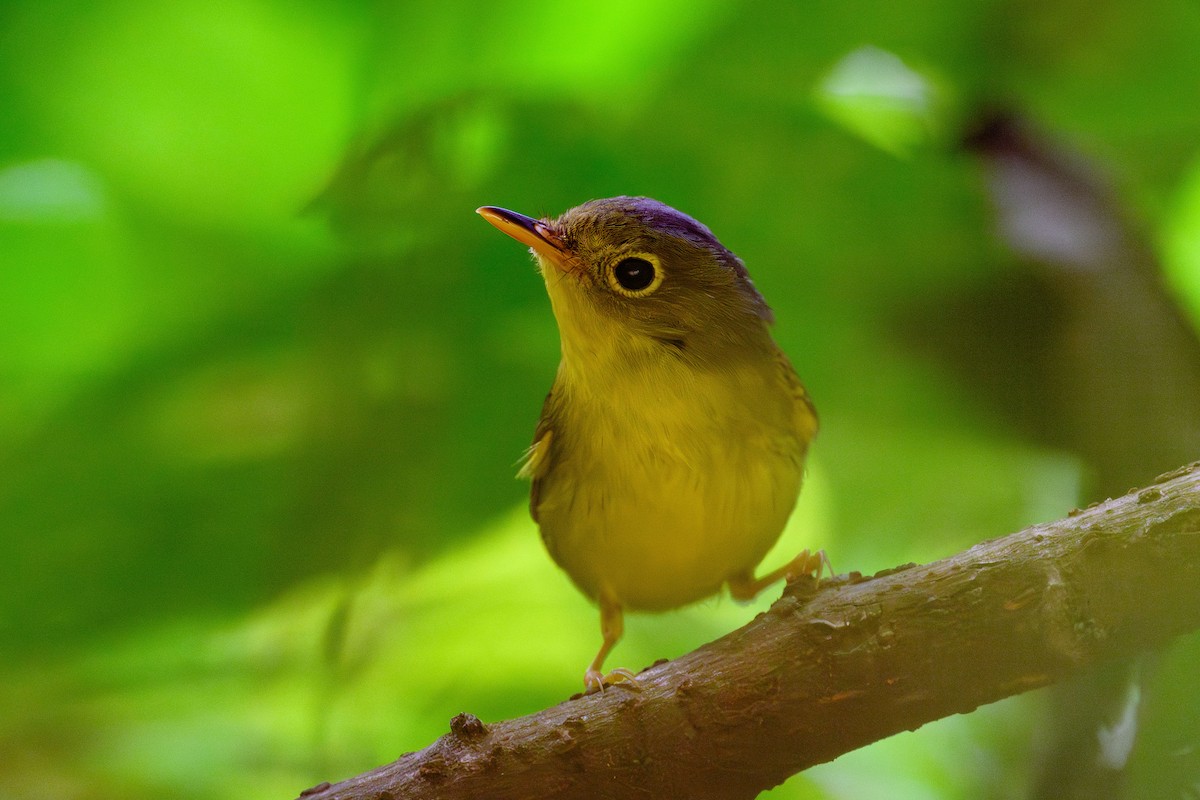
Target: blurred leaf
{"points": [[879, 97]]}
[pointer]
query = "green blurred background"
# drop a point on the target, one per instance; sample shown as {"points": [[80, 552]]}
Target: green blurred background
{"points": [[264, 376]]}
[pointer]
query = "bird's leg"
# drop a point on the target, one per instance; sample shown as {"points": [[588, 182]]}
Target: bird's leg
{"points": [[612, 627], [745, 587]]}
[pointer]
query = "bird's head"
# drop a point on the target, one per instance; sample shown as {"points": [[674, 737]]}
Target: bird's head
{"points": [[632, 278]]}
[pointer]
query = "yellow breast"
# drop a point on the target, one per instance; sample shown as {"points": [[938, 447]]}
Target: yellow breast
{"points": [[663, 483]]}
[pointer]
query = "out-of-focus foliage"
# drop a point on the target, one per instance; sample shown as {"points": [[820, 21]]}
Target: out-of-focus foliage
{"points": [[264, 375]]}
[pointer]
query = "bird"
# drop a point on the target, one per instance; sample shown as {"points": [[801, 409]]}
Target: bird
{"points": [[671, 448]]}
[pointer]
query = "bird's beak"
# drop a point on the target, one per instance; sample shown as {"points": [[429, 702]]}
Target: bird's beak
{"points": [[533, 233]]}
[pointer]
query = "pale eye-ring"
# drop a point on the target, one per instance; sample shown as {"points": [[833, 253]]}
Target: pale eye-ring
{"points": [[636, 275]]}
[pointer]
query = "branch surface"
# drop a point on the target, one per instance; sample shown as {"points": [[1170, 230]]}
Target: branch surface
{"points": [[827, 671]]}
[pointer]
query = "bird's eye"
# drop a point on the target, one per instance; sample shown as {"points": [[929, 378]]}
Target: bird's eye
{"points": [[634, 274]]}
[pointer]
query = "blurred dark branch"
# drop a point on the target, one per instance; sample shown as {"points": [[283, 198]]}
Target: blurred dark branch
{"points": [[825, 672], [1081, 342], [1074, 339]]}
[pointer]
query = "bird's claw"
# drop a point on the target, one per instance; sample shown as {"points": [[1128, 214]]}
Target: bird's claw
{"points": [[808, 564], [595, 681]]}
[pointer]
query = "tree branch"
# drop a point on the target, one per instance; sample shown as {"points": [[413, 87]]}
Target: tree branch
{"points": [[825, 672]]}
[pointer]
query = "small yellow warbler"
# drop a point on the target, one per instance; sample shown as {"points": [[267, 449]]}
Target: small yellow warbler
{"points": [[671, 447]]}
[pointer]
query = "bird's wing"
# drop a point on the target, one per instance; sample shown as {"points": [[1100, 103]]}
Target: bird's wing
{"points": [[536, 461], [804, 413]]}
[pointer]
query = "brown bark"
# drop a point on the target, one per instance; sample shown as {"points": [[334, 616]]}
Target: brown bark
{"points": [[825, 672]]}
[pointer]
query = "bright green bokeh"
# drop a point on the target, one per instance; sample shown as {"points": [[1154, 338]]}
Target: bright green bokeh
{"points": [[224, 113], [1182, 241]]}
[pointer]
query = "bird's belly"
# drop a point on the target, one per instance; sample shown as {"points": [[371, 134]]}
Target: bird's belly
{"points": [[659, 530]]}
